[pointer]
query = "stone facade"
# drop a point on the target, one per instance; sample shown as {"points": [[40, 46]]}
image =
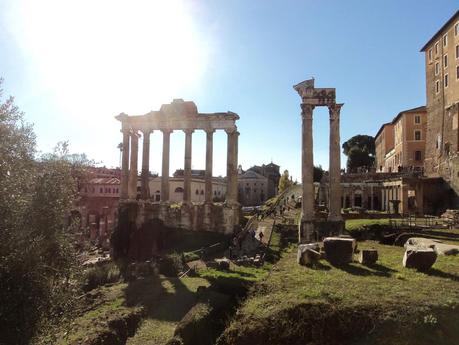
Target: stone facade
{"points": [[97, 204], [253, 188], [270, 171], [176, 189], [396, 193], [400, 145], [384, 143], [442, 89]]}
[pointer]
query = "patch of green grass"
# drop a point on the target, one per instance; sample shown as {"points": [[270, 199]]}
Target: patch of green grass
{"points": [[357, 224], [177, 298], [294, 297]]}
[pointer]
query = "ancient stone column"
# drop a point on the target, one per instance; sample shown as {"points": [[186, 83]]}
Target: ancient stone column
{"points": [[209, 156], [307, 174], [165, 166], [133, 168], [403, 208], [231, 167], [235, 163], [125, 165], [187, 168], [371, 198], [335, 164], [419, 198], [145, 186]]}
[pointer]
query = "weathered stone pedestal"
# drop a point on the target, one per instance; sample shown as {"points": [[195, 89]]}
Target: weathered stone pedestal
{"points": [[338, 250], [306, 232], [308, 254], [164, 211], [231, 217], [207, 221], [332, 228], [186, 218]]}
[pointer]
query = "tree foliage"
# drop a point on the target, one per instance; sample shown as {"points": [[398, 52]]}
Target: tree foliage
{"points": [[284, 181], [360, 152], [318, 173], [37, 260]]}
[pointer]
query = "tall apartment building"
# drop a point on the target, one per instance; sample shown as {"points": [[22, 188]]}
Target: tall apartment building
{"points": [[442, 88], [384, 143], [400, 144]]}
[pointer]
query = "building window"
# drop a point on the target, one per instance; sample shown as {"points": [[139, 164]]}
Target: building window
{"points": [[179, 190], [436, 48], [457, 72], [437, 86], [417, 135], [430, 55], [445, 61], [446, 80], [101, 190], [445, 40], [417, 155], [457, 51], [456, 29], [417, 119], [437, 68]]}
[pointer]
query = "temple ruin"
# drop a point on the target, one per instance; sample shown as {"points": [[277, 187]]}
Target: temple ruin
{"points": [[312, 97], [177, 116]]}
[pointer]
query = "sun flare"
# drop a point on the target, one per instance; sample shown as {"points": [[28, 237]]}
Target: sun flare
{"points": [[131, 56]]}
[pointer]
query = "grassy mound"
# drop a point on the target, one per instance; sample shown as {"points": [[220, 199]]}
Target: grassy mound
{"points": [[353, 304]]}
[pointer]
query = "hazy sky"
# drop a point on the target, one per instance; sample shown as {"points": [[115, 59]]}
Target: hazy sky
{"points": [[73, 65]]}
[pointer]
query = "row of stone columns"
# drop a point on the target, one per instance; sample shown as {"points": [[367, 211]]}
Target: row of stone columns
{"points": [[390, 193], [130, 155], [308, 167]]}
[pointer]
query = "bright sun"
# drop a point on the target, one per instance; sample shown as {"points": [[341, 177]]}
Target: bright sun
{"points": [[124, 55]]}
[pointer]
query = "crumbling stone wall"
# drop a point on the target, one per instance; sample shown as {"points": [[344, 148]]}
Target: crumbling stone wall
{"points": [[141, 226]]}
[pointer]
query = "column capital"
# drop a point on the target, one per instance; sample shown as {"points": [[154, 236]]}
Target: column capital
{"points": [[334, 110], [134, 133], [146, 131], [306, 110], [210, 131], [188, 130], [231, 130], [166, 130]]}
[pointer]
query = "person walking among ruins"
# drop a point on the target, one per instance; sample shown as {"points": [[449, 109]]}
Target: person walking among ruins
{"points": [[260, 236]]}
